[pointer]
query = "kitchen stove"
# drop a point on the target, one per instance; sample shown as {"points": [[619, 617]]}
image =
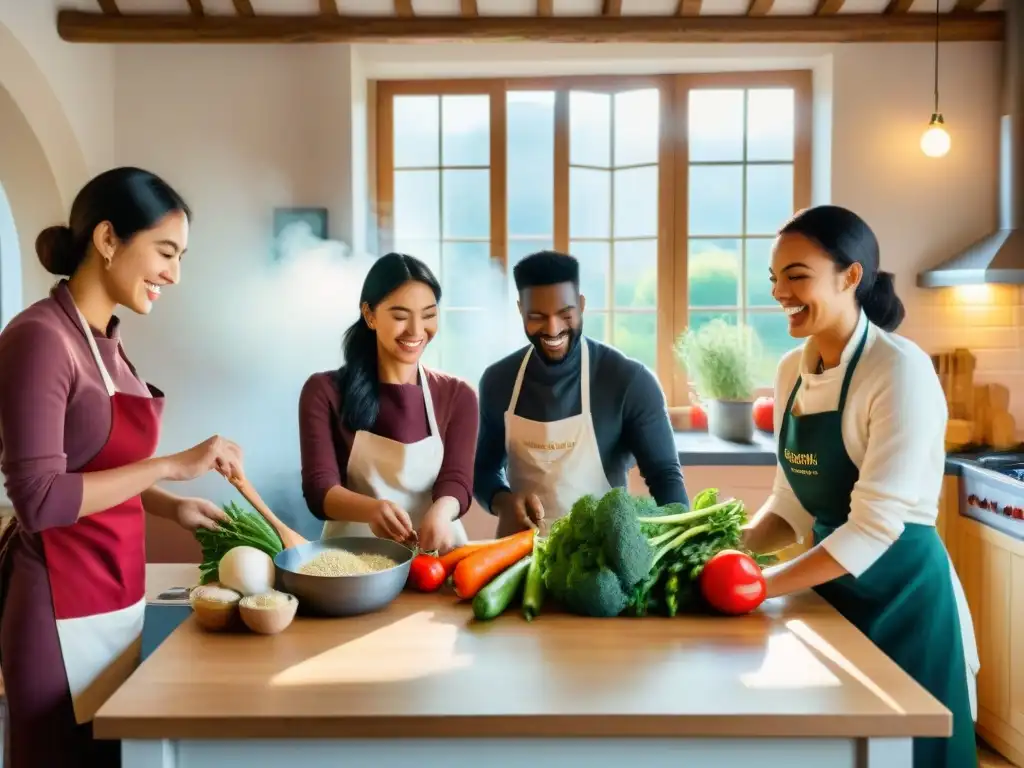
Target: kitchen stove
{"points": [[992, 490]]}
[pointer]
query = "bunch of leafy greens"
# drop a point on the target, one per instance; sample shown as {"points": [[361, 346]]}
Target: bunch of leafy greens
{"points": [[623, 554], [243, 528]]}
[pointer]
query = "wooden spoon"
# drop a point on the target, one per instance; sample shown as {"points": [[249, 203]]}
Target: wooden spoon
{"points": [[289, 538]]}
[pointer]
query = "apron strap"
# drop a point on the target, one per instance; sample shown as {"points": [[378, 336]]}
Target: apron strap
{"points": [[519, 381], [850, 368], [428, 401], [107, 381], [584, 377]]}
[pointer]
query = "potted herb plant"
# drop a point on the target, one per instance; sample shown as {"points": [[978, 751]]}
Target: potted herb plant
{"points": [[720, 358]]}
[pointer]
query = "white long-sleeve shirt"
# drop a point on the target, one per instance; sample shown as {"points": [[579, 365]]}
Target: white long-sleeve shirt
{"points": [[893, 426]]}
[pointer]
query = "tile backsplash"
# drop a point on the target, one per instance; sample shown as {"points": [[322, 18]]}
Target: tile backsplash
{"points": [[988, 320]]}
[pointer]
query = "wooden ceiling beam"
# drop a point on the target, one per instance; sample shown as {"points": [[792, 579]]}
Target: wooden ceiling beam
{"points": [[196, 7], [404, 9], [970, 6], [759, 7], [108, 7], [829, 7], [611, 8], [244, 8], [688, 8], [84, 27], [899, 6], [545, 7], [468, 8]]}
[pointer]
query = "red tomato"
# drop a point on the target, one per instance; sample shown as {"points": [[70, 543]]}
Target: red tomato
{"points": [[764, 414], [732, 582], [698, 419], [426, 573]]}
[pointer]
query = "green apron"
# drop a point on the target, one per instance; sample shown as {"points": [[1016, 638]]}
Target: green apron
{"points": [[904, 602]]}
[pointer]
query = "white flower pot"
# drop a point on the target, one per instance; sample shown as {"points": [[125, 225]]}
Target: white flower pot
{"points": [[732, 421]]}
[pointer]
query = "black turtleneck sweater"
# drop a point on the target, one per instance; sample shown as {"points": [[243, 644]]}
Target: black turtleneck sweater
{"points": [[626, 404]]}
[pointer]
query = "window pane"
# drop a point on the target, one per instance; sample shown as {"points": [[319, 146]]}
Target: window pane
{"points": [[466, 130], [417, 125], [770, 124], [636, 202], [595, 325], [427, 251], [417, 212], [467, 203], [700, 319], [461, 330], [531, 163], [469, 277], [713, 273], [769, 198], [759, 259], [595, 261], [636, 274], [636, 127], [716, 199], [636, 335], [772, 329], [590, 203], [716, 125], [590, 128]]}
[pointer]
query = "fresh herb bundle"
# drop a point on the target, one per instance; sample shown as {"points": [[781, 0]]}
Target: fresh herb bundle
{"points": [[245, 528]]}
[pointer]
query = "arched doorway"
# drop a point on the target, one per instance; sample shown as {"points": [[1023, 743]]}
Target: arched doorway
{"points": [[10, 263]]}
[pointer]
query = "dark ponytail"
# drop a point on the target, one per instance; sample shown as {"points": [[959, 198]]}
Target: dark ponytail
{"points": [[848, 240], [358, 379], [131, 199]]}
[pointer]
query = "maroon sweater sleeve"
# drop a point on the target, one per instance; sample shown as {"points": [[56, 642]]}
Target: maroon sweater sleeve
{"points": [[458, 424], [322, 467], [35, 386]]}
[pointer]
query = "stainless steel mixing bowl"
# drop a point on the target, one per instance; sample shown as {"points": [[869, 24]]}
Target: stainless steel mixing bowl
{"points": [[343, 595]]}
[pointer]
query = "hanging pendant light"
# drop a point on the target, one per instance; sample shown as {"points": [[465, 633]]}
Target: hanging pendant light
{"points": [[935, 141]]}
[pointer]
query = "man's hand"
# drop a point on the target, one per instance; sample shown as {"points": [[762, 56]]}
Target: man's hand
{"points": [[192, 514], [518, 511]]}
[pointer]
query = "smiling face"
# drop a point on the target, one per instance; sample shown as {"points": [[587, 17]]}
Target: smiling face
{"points": [[552, 318], [141, 267], [405, 321], [815, 293]]}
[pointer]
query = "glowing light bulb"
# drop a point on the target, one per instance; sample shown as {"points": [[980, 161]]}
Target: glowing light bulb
{"points": [[935, 141]]}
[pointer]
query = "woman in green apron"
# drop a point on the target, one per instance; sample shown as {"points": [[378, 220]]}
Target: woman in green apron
{"points": [[860, 419]]}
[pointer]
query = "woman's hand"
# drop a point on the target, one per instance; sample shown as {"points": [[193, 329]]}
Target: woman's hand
{"points": [[192, 514], [436, 530], [390, 521], [215, 453]]}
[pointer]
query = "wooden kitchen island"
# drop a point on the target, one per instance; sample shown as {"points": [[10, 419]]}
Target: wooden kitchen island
{"points": [[791, 686]]}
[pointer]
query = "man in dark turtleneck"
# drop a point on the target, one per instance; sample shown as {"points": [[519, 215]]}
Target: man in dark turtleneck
{"points": [[565, 416]]}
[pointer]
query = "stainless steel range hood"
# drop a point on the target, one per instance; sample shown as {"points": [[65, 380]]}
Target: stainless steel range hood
{"points": [[999, 257]]}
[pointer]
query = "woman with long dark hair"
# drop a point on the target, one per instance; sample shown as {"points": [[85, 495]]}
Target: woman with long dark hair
{"points": [[78, 433], [860, 420], [387, 445]]}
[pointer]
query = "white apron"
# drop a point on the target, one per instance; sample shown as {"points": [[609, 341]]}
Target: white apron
{"points": [[559, 461], [968, 639], [401, 473]]}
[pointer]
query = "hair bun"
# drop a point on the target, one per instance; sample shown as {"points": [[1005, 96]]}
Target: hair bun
{"points": [[55, 247]]}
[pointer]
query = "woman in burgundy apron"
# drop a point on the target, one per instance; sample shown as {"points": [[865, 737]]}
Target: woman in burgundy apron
{"points": [[78, 431]]}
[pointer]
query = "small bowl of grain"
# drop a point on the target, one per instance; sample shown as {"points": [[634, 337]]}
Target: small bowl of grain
{"points": [[345, 575]]}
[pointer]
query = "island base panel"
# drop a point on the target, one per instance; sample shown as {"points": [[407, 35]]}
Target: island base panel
{"points": [[521, 753]]}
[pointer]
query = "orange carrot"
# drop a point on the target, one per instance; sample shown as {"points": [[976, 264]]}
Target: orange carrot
{"points": [[457, 555], [476, 571]]}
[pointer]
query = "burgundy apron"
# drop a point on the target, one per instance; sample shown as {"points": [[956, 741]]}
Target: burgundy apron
{"points": [[97, 566]]}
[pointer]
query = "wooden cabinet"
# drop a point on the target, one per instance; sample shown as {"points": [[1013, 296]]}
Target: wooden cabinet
{"points": [[991, 567]]}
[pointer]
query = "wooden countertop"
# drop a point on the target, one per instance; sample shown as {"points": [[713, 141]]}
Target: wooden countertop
{"points": [[424, 668]]}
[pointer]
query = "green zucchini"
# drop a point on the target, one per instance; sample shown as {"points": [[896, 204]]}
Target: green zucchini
{"points": [[491, 601], [533, 591]]}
